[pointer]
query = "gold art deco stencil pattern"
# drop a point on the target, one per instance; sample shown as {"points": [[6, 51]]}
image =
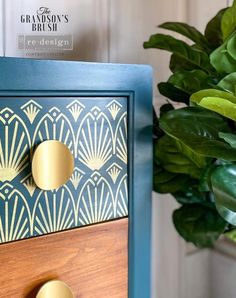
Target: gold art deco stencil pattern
{"points": [[95, 130]]}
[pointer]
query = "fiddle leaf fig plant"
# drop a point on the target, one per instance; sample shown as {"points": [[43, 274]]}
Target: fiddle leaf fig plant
{"points": [[195, 145]]}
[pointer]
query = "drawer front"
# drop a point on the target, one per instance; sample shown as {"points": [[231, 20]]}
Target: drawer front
{"points": [[91, 260], [95, 131]]}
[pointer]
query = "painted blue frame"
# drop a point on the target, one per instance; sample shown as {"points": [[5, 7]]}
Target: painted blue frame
{"points": [[28, 77]]}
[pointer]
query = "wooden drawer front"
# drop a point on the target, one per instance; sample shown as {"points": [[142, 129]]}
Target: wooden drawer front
{"points": [[95, 131], [91, 260]]}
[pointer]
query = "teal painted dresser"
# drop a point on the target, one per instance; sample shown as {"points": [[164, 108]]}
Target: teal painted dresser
{"points": [[102, 113]]}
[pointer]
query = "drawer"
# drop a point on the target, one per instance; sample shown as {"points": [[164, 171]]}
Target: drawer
{"points": [[92, 260], [94, 129]]}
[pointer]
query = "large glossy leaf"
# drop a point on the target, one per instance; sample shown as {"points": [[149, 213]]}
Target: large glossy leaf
{"points": [[198, 96], [198, 129], [231, 46], [228, 83], [222, 61], [179, 63], [227, 214], [199, 224], [213, 31], [173, 93], [193, 120], [188, 31], [228, 22], [179, 47], [166, 182], [190, 81], [224, 187], [166, 108], [229, 138], [171, 155], [191, 195], [205, 180], [197, 159], [220, 105]]}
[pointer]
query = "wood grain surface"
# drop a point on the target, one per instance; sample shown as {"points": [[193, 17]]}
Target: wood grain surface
{"points": [[92, 260]]}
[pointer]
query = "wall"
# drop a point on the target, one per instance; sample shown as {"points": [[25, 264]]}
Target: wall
{"points": [[113, 31], [200, 11], [88, 23], [223, 270]]}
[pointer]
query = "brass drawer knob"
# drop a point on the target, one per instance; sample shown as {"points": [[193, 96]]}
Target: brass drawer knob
{"points": [[52, 165], [55, 289]]}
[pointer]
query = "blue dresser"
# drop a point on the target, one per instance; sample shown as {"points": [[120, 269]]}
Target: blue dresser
{"points": [[102, 114]]}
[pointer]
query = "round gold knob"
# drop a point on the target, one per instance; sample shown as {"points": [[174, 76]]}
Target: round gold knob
{"points": [[52, 165], [55, 289]]}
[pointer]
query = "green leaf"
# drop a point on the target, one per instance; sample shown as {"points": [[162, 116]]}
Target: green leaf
{"points": [[219, 105], [166, 108], [172, 185], [222, 61], [173, 160], [229, 138], [192, 120], [231, 235], [228, 22], [198, 129], [191, 195], [198, 96], [224, 188], [169, 150], [213, 31], [198, 224], [199, 160], [205, 180], [187, 31], [166, 182], [179, 63], [166, 42], [231, 46], [228, 83], [226, 213], [190, 81], [173, 93]]}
